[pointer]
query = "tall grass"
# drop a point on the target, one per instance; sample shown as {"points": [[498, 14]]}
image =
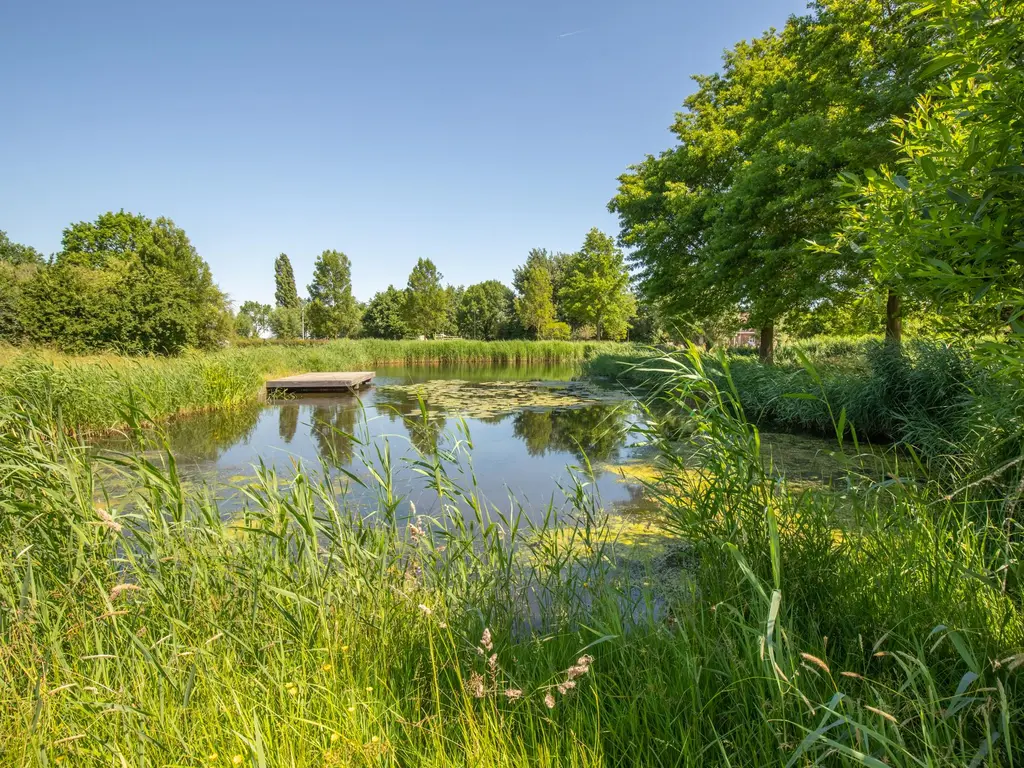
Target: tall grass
{"points": [[873, 626], [89, 393], [952, 408]]}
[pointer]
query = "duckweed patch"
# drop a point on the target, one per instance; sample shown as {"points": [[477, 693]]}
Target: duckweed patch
{"points": [[489, 399]]}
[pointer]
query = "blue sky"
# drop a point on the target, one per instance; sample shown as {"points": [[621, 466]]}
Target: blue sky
{"points": [[465, 132]]}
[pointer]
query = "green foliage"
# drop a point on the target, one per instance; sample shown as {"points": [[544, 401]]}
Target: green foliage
{"points": [[535, 306], [724, 218], [259, 314], [90, 393], [595, 288], [16, 254], [244, 327], [123, 282], [556, 265], [383, 318], [425, 310], [310, 627], [286, 322], [556, 331], [332, 310], [946, 220], [285, 293], [486, 311], [453, 300]]}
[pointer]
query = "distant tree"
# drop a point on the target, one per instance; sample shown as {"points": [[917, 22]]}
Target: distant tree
{"points": [[286, 322], [383, 318], [17, 254], [596, 288], [486, 311], [244, 327], [259, 314], [534, 306], [285, 293], [453, 300], [724, 217], [645, 326], [425, 309], [332, 311], [556, 264], [18, 265]]}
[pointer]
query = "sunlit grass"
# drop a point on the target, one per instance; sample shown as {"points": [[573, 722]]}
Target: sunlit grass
{"points": [[150, 631], [91, 392]]}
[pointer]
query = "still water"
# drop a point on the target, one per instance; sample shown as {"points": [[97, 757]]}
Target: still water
{"points": [[515, 432]]}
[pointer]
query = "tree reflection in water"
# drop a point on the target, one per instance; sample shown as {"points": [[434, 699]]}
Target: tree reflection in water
{"points": [[333, 429], [594, 432], [425, 428], [205, 436], [287, 421]]}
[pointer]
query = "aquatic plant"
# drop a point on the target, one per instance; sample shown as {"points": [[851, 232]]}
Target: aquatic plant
{"points": [[879, 626]]}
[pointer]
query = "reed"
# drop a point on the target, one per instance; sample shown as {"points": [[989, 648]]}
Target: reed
{"points": [[89, 393], [874, 625]]}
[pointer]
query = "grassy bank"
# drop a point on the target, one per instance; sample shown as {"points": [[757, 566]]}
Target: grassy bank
{"points": [[90, 392], [877, 626], [938, 399]]}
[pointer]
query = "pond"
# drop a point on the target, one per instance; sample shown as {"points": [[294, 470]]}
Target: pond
{"points": [[517, 436], [521, 432]]}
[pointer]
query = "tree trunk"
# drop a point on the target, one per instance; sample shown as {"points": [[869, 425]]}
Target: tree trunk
{"points": [[894, 318], [767, 349]]}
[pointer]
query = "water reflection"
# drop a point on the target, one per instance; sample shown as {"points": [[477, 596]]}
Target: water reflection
{"points": [[208, 435], [333, 428], [595, 433], [287, 421], [526, 434]]}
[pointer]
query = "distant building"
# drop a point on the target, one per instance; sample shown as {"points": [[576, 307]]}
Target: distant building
{"points": [[744, 338]]}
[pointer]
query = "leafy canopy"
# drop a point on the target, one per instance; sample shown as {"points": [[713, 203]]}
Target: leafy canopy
{"points": [[486, 311], [285, 293], [332, 310], [595, 290], [383, 318], [535, 306], [724, 217], [946, 219], [425, 309]]}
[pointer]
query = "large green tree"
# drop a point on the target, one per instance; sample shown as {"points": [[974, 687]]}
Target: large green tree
{"points": [[486, 311], [383, 318], [127, 282], [332, 312], [259, 314], [556, 265], [724, 218], [425, 310], [535, 305], [285, 293], [595, 290], [945, 222]]}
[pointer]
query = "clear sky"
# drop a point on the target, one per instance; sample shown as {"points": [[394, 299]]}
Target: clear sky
{"points": [[465, 131]]}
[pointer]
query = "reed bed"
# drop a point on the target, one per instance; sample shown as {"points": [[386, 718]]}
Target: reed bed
{"points": [[90, 393], [879, 625]]}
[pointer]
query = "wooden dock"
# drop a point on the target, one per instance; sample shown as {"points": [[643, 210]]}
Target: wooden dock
{"points": [[330, 381]]}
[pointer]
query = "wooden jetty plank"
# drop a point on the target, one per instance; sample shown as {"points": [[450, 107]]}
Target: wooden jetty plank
{"points": [[325, 381]]}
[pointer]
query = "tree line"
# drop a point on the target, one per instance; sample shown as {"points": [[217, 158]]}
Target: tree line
{"points": [[128, 283], [585, 294], [860, 164]]}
